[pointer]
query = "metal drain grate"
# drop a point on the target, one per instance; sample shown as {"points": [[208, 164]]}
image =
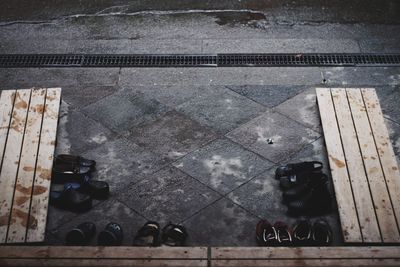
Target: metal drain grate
{"points": [[217, 60]]}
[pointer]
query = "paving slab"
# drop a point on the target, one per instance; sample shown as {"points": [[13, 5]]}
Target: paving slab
{"points": [[79, 96], [222, 165], [125, 109], [14, 78], [288, 136], [121, 163], [280, 46], [268, 95], [380, 45], [390, 104], [78, 133], [222, 224], [168, 195], [222, 111], [171, 136], [101, 215], [303, 108], [167, 46], [394, 133]]}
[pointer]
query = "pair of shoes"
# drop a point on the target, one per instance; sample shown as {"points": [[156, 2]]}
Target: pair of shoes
{"points": [[112, 235], [318, 234], [278, 234], [171, 235], [305, 188], [79, 189]]}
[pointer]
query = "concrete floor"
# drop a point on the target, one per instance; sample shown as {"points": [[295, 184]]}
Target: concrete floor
{"points": [[188, 145]]}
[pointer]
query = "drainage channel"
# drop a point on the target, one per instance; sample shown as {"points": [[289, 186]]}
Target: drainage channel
{"points": [[187, 60]]}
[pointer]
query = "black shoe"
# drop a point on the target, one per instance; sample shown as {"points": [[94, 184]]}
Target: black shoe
{"points": [[94, 188], [174, 235], [71, 199], [300, 190], [302, 233], [66, 172], [81, 235], [315, 202], [321, 233], [112, 235], [148, 235], [75, 160], [297, 168]]}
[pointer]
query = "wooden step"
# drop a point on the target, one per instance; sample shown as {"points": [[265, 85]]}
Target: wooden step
{"points": [[363, 165], [28, 126]]}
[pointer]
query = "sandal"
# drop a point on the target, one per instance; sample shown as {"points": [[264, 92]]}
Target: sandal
{"points": [[148, 235], [302, 232], [81, 235], [321, 233], [71, 199], [266, 234], [284, 234], [174, 235], [76, 160], [112, 235], [297, 168]]}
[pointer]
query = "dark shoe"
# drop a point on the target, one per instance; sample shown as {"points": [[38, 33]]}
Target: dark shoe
{"points": [[302, 232], [174, 235], [315, 202], [75, 160], [148, 235], [112, 235], [95, 189], [297, 168], [71, 199], [266, 234], [300, 190], [81, 235], [64, 173], [284, 234], [321, 233]]}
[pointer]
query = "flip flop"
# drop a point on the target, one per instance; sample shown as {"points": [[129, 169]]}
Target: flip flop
{"points": [[81, 235], [148, 235], [174, 235], [266, 234], [112, 235], [302, 232], [284, 234], [321, 233]]}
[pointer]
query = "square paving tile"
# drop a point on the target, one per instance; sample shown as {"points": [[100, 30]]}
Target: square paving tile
{"points": [[77, 133], [222, 165], [125, 109], [80, 96], [390, 104], [268, 95], [168, 195], [222, 111], [287, 135], [171, 136], [222, 224], [101, 215], [303, 108], [121, 163], [394, 133]]}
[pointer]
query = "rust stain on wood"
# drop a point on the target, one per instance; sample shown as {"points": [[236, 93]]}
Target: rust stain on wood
{"points": [[28, 169], [21, 200], [394, 168], [25, 219], [338, 163], [20, 103], [37, 190]]}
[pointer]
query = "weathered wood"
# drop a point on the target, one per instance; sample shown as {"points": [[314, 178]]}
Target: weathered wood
{"points": [[23, 189], [6, 107], [385, 150], [11, 158], [361, 192], [344, 196], [39, 202], [379, 193]]}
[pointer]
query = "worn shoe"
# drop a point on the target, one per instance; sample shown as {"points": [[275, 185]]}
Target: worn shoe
{"points": [[75, 160], [300, 190], [67, 172], [81, 235], [71, 199], [321, 233], [297, 168], [95, 189], [112, 235], [174, 235], [148, 235]]}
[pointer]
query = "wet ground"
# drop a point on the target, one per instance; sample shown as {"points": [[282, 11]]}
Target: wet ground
{"points": [[189, 145]]}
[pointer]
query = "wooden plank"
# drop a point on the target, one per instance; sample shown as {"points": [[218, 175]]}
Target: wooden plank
{"points": [[11, 158], [23, 189], [39, 203], [380, 195], [385, 150], [344, 196], [6, 107], [348, 252], [362, 196]]}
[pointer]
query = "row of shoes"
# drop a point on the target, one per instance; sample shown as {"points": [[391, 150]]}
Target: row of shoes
{"points": [[305, 188], [112, 235], [72, 185], [303, 233]]}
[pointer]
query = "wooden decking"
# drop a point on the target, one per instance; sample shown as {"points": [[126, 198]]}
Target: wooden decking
{"points": [[199, 256], [364, 168], [28, 125]]}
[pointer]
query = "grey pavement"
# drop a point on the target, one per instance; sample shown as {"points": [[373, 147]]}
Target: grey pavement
{"points": [[189, 145]]}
